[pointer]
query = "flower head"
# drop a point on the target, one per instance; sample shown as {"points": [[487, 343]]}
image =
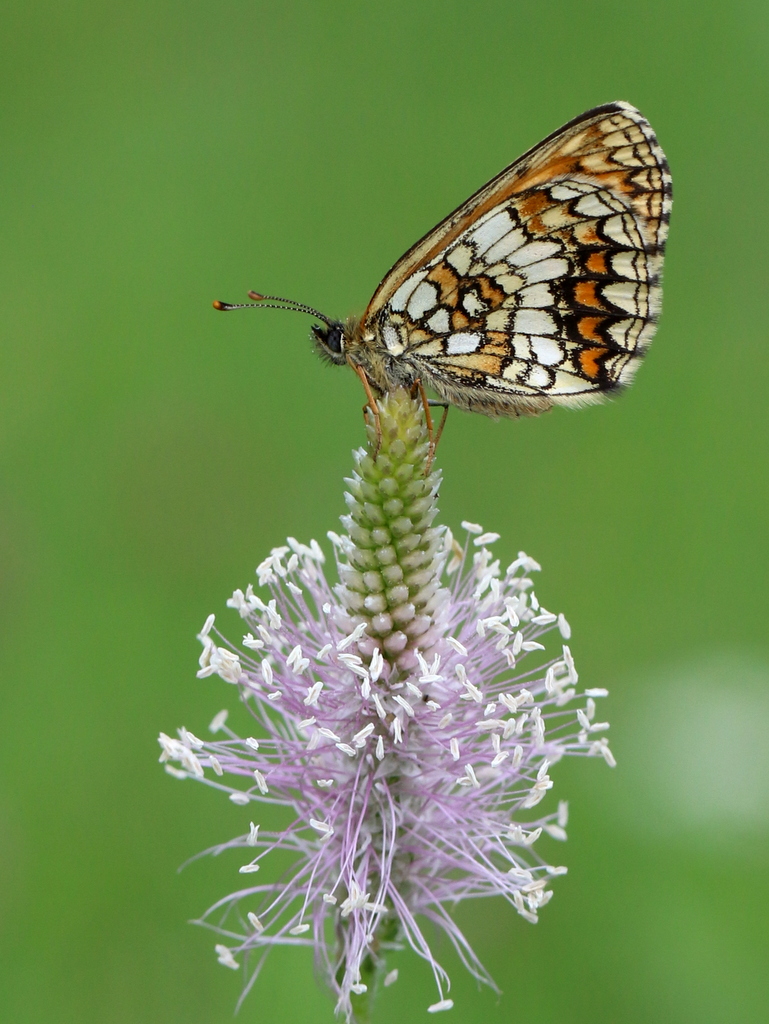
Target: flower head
{"points": [[407, 715]]}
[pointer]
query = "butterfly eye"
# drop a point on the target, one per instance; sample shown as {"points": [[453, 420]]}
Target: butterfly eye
{"points": [[333, 339], [330, 341]]}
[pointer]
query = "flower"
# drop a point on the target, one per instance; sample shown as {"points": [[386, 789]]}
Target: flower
{"points": [[408, 716]]}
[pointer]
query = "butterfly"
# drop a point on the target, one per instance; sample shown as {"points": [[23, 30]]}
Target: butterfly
{"points": [[541, 289]]}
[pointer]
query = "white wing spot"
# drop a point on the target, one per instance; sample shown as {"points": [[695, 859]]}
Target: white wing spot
{"points": [[462, 342], [536, 296], [499, 320], [392, 340], [423, 298], [460, 259], [545, 270], [619, 228], [532, 252], [403, 294], [491, 230], [515, 370], [567, 191], [539, 377], [473, 304], [510, 282], [534, 321], [624, 264], [546, 351], [512, 241], [624, 294], [591, 206], [567, 383], [439, 321], [521, 346]]}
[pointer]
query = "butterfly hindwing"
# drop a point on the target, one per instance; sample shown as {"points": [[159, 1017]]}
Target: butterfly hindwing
{"points": [[544, 286]]}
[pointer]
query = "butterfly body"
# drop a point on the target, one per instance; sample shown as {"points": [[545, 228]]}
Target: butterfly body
{"points": [[542, 289]]}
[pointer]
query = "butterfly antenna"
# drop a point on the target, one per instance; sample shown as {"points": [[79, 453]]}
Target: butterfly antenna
{"points": [[270, 302]]}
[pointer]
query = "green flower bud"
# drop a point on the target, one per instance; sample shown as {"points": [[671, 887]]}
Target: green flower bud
{"points": [[390, 575]]}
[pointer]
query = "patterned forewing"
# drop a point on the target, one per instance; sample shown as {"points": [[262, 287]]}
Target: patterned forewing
{"points": [[544, 286]]}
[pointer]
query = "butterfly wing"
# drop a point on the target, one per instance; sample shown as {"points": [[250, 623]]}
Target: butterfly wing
{"points": [[543, 287]]}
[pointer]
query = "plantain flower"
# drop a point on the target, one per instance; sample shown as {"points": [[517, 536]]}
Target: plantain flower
{"points": [[408, 709]]}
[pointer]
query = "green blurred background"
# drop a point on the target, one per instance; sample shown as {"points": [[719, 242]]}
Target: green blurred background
{"points": [[159, 155]]}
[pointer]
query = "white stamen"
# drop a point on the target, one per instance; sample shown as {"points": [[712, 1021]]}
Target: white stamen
{"points": [[353, 638], [225, 957], [313, 693], [544, 618], [404, 704], [573, 675], [444, 1004], [458, 647], [321, 826], [217, 722], [486, 538], [376, 666], [296, 662], [556, 832], [359, 739]]}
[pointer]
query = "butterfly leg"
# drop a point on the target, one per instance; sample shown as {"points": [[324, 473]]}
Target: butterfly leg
{"points": [[442, 424], [371, 405], [418, 388]]}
